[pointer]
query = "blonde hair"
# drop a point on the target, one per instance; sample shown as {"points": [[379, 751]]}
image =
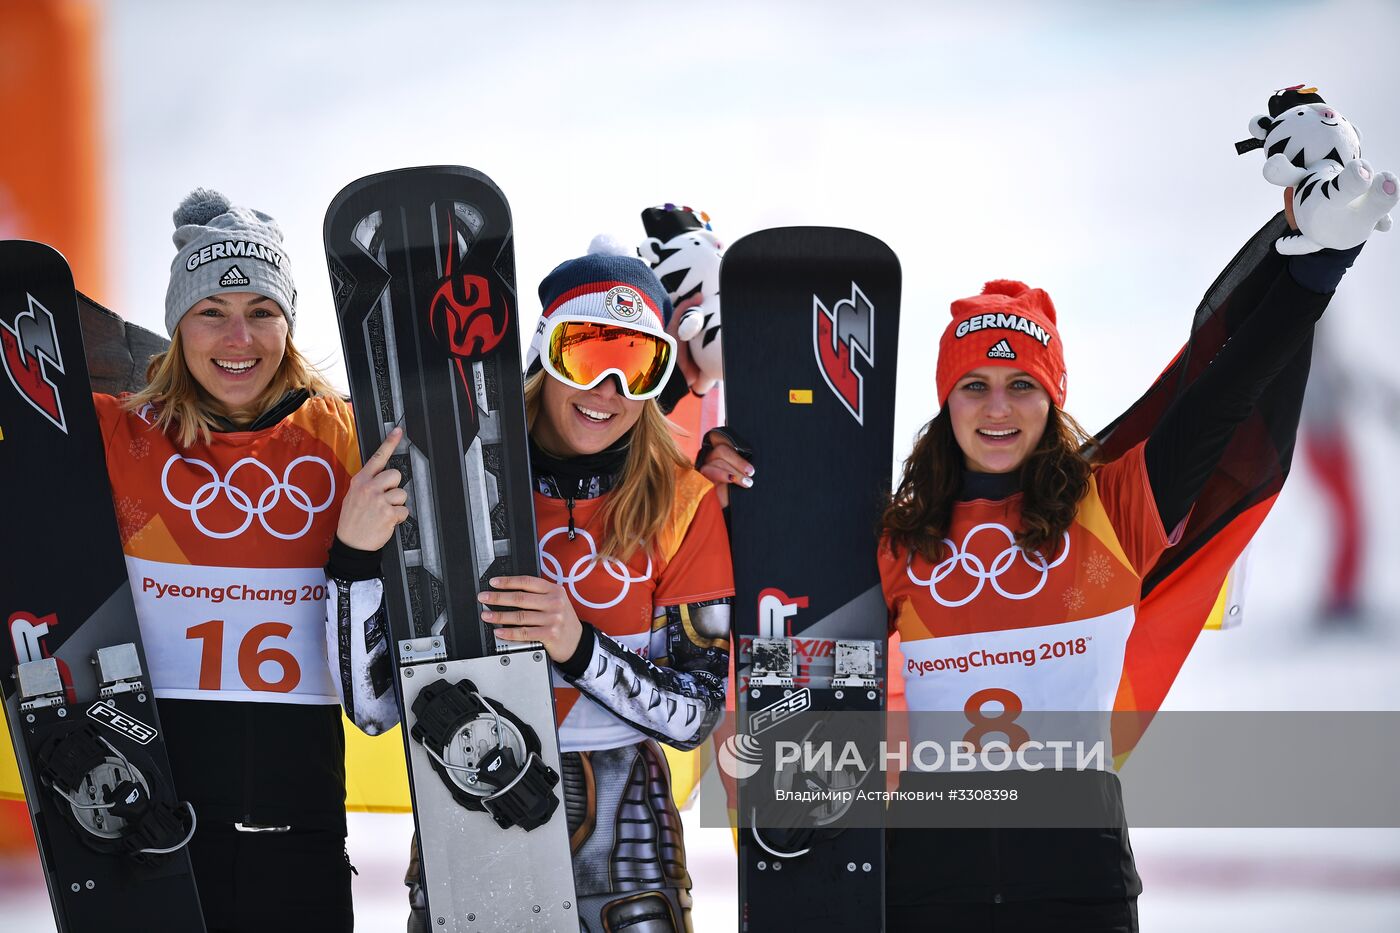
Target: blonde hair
{"points": [[641, 501], [185, 409]]}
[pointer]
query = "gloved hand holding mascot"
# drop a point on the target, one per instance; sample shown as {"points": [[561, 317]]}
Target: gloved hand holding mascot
{"points": [[1334, 198]]}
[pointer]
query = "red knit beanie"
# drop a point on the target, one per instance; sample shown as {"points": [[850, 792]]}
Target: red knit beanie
{"points": [[1009, 324]]}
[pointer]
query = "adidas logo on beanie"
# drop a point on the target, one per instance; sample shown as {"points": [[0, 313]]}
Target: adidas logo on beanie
{"points": [[1002, 351]]}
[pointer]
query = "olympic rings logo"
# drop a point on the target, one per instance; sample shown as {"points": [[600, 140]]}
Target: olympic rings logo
{"points": [[584, 567], [267, 499], [973, 566]]}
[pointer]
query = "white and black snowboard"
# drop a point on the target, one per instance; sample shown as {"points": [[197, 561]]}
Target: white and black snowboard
{"points": [[423, 274]]}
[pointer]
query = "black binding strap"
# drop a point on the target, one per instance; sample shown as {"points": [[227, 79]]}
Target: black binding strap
{"points": [[521, 794], [155, 824]]}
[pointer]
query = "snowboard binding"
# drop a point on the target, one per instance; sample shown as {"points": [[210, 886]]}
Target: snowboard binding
{"points": [[114, 805], [487, 757], [115, 800], [796, 834]]}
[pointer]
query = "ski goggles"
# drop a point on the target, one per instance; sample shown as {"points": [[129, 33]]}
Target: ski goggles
{"points": [[583, 351]]}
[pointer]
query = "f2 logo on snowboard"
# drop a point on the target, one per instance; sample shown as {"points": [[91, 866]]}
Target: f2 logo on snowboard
{"points": [[121, 723], [30, 355], [838, 335]]}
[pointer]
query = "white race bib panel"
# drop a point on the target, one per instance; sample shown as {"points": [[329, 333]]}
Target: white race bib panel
{"points": [[249, 634], [1019, 684]]}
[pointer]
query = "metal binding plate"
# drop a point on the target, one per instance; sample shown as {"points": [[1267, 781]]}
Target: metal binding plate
{"points": [[40, 684], [855, 664], [422, 650], [771, 663], [118, 670]]}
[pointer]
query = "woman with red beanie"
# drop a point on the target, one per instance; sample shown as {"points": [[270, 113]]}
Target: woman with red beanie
{"points": [[1009, 517], [1012, 528]]}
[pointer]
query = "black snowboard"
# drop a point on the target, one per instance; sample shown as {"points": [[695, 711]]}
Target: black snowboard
{"points": [[77, 691], [423, 275], [811, 318]]}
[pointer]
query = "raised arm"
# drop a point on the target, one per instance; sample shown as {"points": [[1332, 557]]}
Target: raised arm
{"points": [[1187, 444]]}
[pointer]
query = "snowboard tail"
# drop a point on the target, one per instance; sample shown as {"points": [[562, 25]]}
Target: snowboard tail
{"points": [[811, 325], [423, 275], [78, 699]]}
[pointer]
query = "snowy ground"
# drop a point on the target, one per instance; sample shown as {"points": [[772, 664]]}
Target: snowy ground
{"points": [[1202, 881]]}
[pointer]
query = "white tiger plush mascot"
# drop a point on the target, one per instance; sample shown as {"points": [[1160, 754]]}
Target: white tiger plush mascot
{"points": [[1337, 198], [685, 255]]}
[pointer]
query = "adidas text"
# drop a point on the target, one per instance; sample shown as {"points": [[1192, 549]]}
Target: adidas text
{"points": [[234, 276]]}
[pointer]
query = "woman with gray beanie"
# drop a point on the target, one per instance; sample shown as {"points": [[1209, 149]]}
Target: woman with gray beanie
{"points": [[237, 482]]}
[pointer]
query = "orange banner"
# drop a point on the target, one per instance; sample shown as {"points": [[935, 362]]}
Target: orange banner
{"points": [[50, 165], [50, 178]]}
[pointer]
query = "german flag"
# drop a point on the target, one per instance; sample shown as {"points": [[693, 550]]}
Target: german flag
{"points": [[1181, 591]]}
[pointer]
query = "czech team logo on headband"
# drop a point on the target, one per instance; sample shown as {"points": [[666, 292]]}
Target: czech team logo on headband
{"points": [[624, 303]]}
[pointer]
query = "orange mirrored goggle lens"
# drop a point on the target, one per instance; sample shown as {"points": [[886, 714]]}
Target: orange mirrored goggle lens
{"points": [[581, 352]]}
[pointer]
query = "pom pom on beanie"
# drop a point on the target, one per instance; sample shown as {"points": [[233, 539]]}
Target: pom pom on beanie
{"points": [[201, 206], [605, 244]]}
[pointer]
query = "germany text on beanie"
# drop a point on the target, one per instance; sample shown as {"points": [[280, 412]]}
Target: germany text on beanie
{"points": [[221, 248]]}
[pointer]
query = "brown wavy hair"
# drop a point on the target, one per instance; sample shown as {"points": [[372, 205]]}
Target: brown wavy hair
{"points": [[641, 501], [184, 408], [1054, 478]]}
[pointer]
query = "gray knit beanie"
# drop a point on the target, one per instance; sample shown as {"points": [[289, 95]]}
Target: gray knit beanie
{"points": [[222, 248]]}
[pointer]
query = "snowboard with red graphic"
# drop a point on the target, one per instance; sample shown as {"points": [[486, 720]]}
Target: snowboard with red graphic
{"points": [[81, 714], [812, 323], [422, 271]]}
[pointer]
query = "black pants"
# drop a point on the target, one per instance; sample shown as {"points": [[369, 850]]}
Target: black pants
{"points": [[1068, 915], [289, 882]]}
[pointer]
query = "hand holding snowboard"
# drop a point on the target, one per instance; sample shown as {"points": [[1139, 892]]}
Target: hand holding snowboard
{"points": [[375, 504], [538, 611]]}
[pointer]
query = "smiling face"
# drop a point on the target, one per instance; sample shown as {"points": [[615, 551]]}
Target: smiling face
{"points": [[998, 415], [1310, 133], [574, 422], [233, 346]]}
